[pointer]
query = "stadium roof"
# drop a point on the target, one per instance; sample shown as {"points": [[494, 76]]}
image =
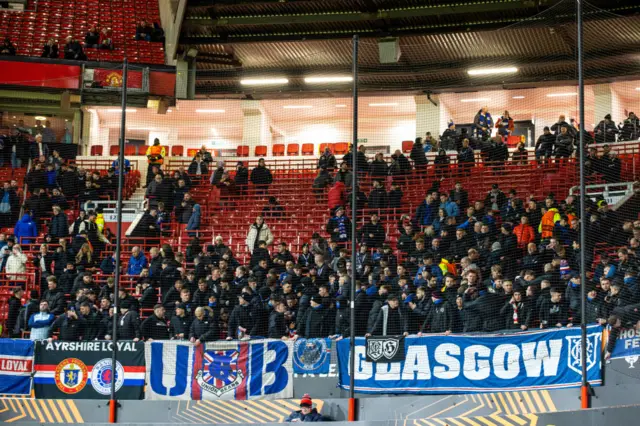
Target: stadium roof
{"points": [[439, 42]]}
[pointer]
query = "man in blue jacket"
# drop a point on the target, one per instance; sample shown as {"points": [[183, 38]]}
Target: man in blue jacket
{"points": [[137, 261], [25, 228]]}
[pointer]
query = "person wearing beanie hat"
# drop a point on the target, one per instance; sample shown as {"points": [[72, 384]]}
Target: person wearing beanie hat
{"points": [[606, 130], [306, 413], [517, 312], [128, 322], [440, 317], [241, 320], [315, 321]]}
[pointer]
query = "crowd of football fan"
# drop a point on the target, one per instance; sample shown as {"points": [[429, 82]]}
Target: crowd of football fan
{"points": [[499, 263]]}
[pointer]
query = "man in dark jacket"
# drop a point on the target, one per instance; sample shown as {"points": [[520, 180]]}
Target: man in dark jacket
{"points": [[71, 326], [606, 130], [486, 305], [378, 198], [417, 154], [306, 412], [180, 323], [440, 317], [59, 227], [15, 304], [128, 323], [54, 296], [155, 326], [261, 177], [93, 325], [372, 234], [391, 320], [277, 324], [240, 321], [315, 320], [545, 143], [553, 312]]}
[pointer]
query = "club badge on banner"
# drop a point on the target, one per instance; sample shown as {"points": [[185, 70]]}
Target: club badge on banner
{"points": [[260, 369], [16, 366], [83, 370], [385, 348], [545, 359], [312, 356]]}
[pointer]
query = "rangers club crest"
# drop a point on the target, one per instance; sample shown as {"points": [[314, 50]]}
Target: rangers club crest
{"points": [[220, 373], [574, 360], [102, 375], [71, 376]]}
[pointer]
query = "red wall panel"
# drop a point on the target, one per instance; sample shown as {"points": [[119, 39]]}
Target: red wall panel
{"points": [[40, 75]]}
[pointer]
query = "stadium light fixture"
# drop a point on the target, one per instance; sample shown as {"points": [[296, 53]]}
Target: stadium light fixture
{"points": [[334, 79], [492, 71], [40, 117], [341, 106], [475, 100], [518, 97], [561, 95], [210, 111], [263, 81], [637, 88], [297, 107], [390, 104], [129, 110]]}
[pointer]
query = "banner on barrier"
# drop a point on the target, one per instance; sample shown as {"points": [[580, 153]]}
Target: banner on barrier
{"points": [[312, 356], [83, 370], [16, 366], [260, 369], [546, 359], [627, 345]]}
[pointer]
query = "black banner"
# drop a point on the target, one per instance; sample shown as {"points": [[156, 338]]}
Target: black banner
{"points": [[82, 370], [385, 349]]}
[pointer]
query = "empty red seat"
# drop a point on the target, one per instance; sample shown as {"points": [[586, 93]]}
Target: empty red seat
{"points": [[142, 150], [96, 150], [341, 148], [129, 150], [242, 151], [261, 150], [113, 150], [177, 150], [277, 149], [406, 146], [307, 149], [293, 149]]}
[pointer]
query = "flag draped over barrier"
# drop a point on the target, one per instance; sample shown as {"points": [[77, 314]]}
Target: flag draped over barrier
{"points": [[83, 370], [220, 370], [16, 365], [544, 359]]}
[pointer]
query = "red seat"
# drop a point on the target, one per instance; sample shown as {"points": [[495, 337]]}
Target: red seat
{"points": [[326, 145], [261, 150], [242, 151], [407, 146], [96, 150], [113, 150], [293, 149], [129, 150], [307, 149], [341, 148], [177, 150], [278, 149]]}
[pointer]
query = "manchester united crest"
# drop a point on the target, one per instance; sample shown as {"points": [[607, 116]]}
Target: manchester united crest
{"points": [[71, 376]]}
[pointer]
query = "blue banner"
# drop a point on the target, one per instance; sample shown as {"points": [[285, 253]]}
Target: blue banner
{"points": [[224, 370], [627, 344], [545, 359], [16, 366], [312, 356]]}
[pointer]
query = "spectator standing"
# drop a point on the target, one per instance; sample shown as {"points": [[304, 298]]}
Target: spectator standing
{"points": [[606, 130], [38, 149], [482, 123], [25, 230], [39, 323], [466, 158], [15, 304], [339, 227], [155, 326], [261, 177], [9, 205], [155, 157], [418, 155], [70, 324], [241, 178], [59, 228]]}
